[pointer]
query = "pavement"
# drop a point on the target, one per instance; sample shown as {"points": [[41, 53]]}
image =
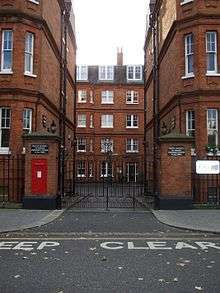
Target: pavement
{"points": [[197, 220], [20, 219]]}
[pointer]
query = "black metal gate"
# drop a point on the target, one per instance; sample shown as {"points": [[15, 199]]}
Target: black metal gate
{"points": [[101, 183]]}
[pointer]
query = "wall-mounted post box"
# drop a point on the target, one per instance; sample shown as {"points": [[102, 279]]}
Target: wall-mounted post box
{"points": [[39, 176]]}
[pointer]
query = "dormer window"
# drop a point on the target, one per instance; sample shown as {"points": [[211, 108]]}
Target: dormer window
{"points": [[106, 72], [134, 72], [82, 72]]}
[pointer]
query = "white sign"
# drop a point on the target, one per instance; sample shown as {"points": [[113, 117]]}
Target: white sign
{"points": [[39, 174], [207, 167], [159, 245]]}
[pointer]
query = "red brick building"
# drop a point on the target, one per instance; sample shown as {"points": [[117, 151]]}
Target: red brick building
{"points": [[110, 119], [34, 35], [37, 81], [182, 73]]}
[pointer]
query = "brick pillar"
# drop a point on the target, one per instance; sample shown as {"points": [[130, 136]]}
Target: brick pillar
{"points": [[175, 171], [41, 171]]}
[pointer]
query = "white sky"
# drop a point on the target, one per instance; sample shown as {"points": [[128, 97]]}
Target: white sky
{"points": [[104, 25]]}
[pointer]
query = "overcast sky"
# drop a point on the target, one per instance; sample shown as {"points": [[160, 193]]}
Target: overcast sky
{"points": [[104, 25]]}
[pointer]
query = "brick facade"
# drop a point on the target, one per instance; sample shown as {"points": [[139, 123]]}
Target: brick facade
{"points": [[177, 92], [41, 90], [94, 108]]}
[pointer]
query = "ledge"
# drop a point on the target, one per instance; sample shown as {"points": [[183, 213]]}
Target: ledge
{"points": [[41, 136], [176, 137]]}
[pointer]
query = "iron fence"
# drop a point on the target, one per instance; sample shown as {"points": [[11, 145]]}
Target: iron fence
{"points": [[205, 188], [12, 172]]}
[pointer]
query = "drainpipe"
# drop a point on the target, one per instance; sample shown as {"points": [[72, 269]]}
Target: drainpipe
{"points": [[63, 90], [156, 122], [74, 134]]}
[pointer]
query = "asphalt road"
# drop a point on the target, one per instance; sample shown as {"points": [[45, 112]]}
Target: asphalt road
{"points": [[108, 255]]}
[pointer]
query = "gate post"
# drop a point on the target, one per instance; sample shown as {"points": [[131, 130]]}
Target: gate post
{"points": [[41, 171], [175, 171]]}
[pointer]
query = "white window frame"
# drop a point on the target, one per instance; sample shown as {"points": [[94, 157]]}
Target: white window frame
{"points": [[29, 53], [81, 141], [81, 118], [107, 121], [190, 120], [134, 96], [27, 114], [81, 165], [107, 97], [6, 70], [82, 96], [208, 52], [4, 150], [134, 73], [82, 72], [106, 72], [104, 147], [132, 144], [132, 120], [106, 169], [189, 52], [214, 130]]}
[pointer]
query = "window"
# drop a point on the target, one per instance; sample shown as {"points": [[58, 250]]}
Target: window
{"points": [[189, 55], [90, 169], [81, 169], [5, 121], [132, 97], [27, 120], [134, 72], [82, 72], [107, 97], [29, 53], [106, 72], [190, 123], [7, 51], [132, 121], [106, 169], [107, 121], [81, 144], [106, 145], [82, 96], [212, 126], [132, 145], [211, 51], [81, 120]]}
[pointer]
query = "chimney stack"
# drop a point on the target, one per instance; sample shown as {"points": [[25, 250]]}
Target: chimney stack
{"points": [[119, 57]]}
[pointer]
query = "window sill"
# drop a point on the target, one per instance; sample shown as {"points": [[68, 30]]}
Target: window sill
{"points": [[107, 127], [212, 74], [132, 152], [78, 126], [188, 76], [213, 155], [81, 176], [81, 151], [30, 75], [35, 2], [186, 2], [131, 127], [106, 103], [127, 103], [5, 151], [6, 72]]}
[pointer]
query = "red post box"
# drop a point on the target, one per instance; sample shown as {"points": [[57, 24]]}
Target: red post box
{"points": [[39, 176]]}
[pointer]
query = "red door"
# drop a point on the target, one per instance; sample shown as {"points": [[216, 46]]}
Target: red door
{"points": [[39, 176]]}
